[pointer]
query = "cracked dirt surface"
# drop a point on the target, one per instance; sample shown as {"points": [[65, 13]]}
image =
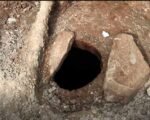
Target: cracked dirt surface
{"points": [[17, 91]]}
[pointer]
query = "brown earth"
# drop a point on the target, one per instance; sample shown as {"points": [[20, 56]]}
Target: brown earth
{"points": [[88, 20]]}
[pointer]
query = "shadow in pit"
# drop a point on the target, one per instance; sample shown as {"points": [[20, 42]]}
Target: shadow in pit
{"points": [[78, 69]]}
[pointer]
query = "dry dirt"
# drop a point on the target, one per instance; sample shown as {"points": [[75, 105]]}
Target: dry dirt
{"points": [[17, 92]]}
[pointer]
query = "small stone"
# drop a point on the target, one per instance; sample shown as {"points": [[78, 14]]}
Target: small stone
{"points": [[148, 91], [18, 16], [51, 89], [11, 20], [94, 110], [147, 84], [37, 3], [91, 93], [127, 71], [65, 106], [105, 34]]}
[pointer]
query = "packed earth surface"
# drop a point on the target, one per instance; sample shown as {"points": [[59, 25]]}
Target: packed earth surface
{"points": [[95, 25]]}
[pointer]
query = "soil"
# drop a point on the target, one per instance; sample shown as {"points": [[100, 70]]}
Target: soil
{"points": [[17, 92]]}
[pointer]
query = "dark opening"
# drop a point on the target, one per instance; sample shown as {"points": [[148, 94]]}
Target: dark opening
{"points": [[78, 69]]}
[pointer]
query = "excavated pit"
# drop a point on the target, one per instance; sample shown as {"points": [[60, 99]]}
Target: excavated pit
{"points": [[78, 79], [78, 69]]}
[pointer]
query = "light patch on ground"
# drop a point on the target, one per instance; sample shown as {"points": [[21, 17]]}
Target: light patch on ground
{"points": [[132, 58], [11, 20], [105, 34]]}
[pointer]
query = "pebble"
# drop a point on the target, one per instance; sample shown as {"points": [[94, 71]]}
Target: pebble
{"points": [[148, 91], [11, 20], [37, 3], [105, 34], [52, 89]]}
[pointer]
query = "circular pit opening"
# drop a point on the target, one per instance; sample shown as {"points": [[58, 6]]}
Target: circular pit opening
{"points": [[79, 68]]}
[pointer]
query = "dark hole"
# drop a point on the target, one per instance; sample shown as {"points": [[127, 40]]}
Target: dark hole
{"points": [[78, 69]]}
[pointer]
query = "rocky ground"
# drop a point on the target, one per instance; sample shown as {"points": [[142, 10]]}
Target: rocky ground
{"points": [[17, 92]]}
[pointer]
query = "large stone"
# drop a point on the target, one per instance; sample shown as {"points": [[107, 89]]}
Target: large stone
{"points": [[127, 70], [56, 53]]}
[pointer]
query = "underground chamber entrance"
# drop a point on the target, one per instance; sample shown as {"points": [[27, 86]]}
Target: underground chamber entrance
{"points": [[79, 68]]}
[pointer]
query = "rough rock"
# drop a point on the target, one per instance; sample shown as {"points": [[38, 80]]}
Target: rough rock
{"points": [[57, 53], [148, 91], [127, 70]]}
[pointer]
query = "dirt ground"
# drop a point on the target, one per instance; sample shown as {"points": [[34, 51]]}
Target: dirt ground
{"points": [[17, 92]]}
